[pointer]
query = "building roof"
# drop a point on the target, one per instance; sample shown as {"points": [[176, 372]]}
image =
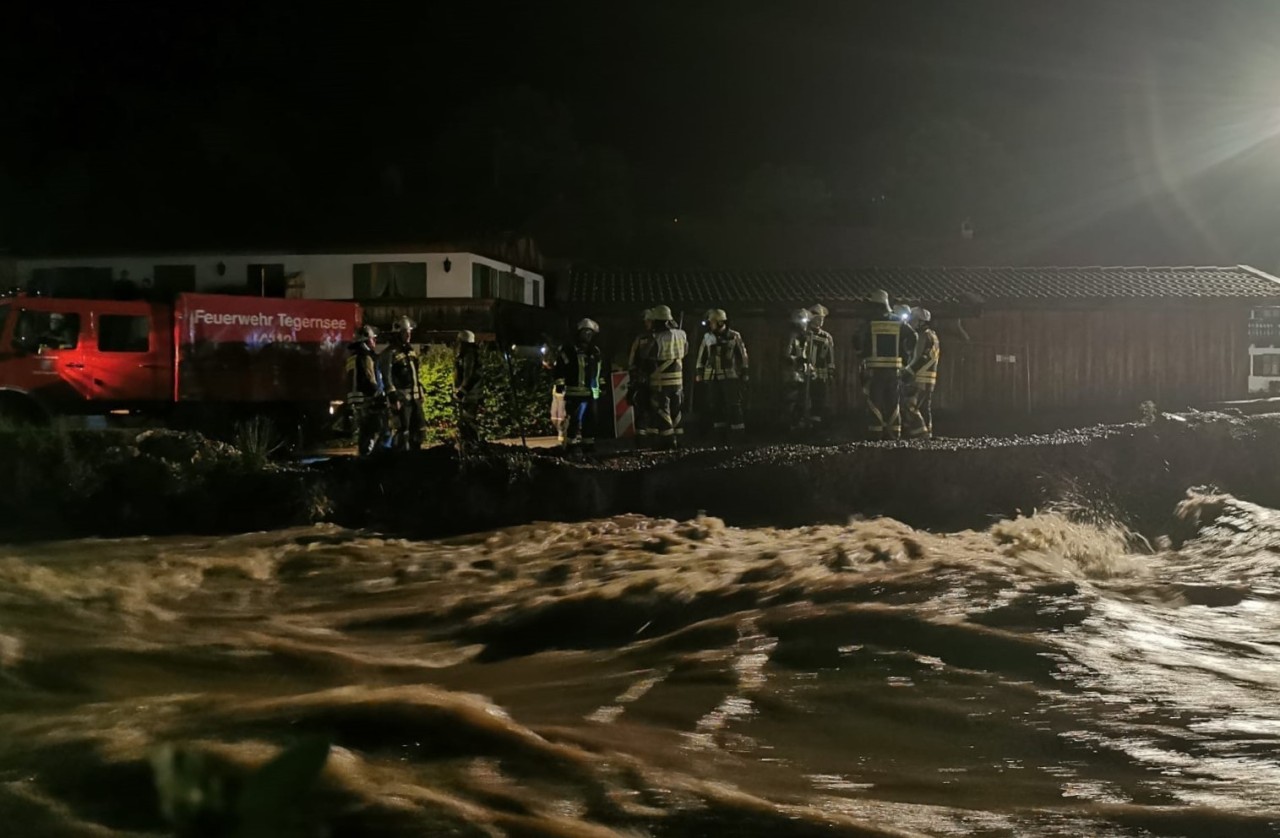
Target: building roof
{"points": [[931, 285]]}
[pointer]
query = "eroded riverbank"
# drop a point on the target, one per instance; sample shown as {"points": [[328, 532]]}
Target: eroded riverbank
{"points": [[73, 485]]}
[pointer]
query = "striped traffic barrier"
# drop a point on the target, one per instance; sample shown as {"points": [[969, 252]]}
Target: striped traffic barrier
{"points": [[624, 418]]}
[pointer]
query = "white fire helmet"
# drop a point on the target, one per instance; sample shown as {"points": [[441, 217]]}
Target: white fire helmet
{"points": [[716, 315], [367, 333], [662, 313], [818, 311], [800, 317], [880, 296], [921, 315], [402, 324], [589, 324], [466, 336], [902, 312]]}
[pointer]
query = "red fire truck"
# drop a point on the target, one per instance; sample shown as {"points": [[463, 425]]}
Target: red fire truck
{"points": [[200, 359]]}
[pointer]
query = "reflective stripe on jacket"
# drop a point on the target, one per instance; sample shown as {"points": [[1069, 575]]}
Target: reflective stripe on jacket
{"points": [[924, 362], [884, 349], [812, 352], [822, 354], [639, 363], [399, 367], [578, 370], [667, 353], [722, 356], [362, 366]]}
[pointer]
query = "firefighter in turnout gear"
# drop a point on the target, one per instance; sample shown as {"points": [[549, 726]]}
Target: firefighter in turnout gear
{"points": [[722, 364], [798, 371], [920, 376], [638, 395], [468, 390], [902, 313], [366, 398], [577, 376], [822, 359], [666, 375], [400, 365], [880, 347]]}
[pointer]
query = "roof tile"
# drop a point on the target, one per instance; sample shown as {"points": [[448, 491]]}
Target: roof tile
{"points": [[939, 285]]}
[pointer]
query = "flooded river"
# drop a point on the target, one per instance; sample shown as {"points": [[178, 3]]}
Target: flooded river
{"points": [[641, 677]]}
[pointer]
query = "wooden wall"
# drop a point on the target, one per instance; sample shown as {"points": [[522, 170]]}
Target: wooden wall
{"points": [[1038, 360], [1068, 359]]}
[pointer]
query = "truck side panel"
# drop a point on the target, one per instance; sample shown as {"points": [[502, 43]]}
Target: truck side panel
{"points": [[262, 349]]}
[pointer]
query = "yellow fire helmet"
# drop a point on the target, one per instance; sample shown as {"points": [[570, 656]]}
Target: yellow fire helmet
{"points": [[662, 313], [716, 315]]}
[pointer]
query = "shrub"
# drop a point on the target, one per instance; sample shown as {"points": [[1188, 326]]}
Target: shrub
{"points": [[515, 397], [257, 439]]}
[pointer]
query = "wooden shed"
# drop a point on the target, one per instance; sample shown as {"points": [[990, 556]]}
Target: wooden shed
{"points": [[1023, 340]]}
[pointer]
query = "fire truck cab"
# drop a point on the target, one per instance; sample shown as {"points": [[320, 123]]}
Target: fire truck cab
{"points": [[77, 356]]}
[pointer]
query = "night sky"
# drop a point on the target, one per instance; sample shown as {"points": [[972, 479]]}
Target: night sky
{"points": [[1075, 132]]}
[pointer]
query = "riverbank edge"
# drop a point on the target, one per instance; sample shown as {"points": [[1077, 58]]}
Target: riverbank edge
{"points": [[85, 484]]}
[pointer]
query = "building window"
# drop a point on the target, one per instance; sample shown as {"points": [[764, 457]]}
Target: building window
{"points": [[124, 333], [1267, 366], [483, 281], [50, 329], [4, 317], [536, 297], [373, 280], [489, 283], [265, 280], [175, 279]]}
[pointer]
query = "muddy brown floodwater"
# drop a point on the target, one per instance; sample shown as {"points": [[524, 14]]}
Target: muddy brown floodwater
{"points": [[634, 676]]}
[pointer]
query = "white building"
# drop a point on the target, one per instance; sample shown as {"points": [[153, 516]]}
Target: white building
{"points": [[401, 276]]}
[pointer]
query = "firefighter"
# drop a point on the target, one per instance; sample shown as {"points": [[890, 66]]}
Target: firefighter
{"points": [[59, 333], [638, 369], [920, 376], [366, 397], [666, 377], [799, 372], [577, 376], [468, 390], [400, 365], [722, 364], [822, 360], [880, 349], [902, 313], [559, 418]]}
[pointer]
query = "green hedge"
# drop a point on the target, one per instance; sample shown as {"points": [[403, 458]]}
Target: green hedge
{"points": [[515, 399]]}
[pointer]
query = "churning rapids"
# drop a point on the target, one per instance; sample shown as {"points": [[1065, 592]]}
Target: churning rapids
{"points": [[644, 677]]}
